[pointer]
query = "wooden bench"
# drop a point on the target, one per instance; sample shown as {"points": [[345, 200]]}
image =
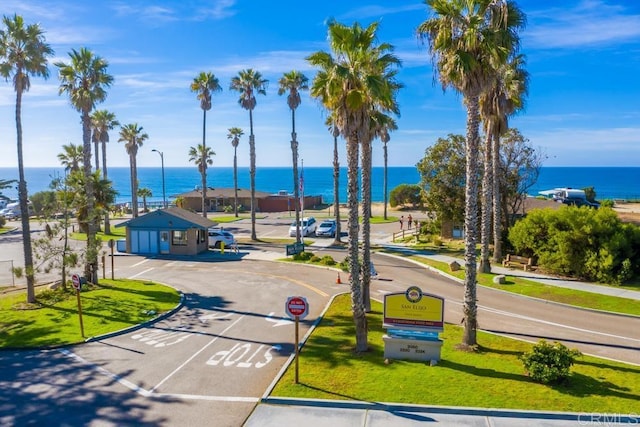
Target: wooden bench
{"points": [[518, 261]]}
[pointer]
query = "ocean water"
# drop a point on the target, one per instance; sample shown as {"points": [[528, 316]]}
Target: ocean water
{"points": [[609, 182]]}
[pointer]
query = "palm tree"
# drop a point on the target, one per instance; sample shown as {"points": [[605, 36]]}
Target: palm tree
{"points": [[335, 132], [383, 124], [293, 82], [104, 195], [201, 156], [468, 41], [505, 98], [351, 84], [102, 121], [234, 135], [23, 52], [71, 157], [85, 80], [144, 192], [133, 137], [248, 83], [204, 84]]}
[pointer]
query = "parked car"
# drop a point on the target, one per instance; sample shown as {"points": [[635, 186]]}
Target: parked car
{"points": [[327, 228], [308, 227], [216, 236]]}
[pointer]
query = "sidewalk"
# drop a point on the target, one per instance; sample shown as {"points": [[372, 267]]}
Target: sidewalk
{"points": [[282, 412]]}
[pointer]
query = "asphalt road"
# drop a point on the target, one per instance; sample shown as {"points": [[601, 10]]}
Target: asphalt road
{"points": [[211, 361]]}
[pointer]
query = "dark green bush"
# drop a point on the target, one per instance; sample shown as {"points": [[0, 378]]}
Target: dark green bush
{"points": [[327, 260], [591, 244], [303, 256], [549, 363]]}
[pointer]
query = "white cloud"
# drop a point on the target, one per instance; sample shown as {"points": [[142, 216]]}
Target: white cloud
{"points": [[590, 23]]}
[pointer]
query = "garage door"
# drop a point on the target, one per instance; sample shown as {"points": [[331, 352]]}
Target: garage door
{"points": [[144, 242]]}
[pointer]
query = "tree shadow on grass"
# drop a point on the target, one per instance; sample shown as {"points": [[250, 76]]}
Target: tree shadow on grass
{"points": [[579, 385]]}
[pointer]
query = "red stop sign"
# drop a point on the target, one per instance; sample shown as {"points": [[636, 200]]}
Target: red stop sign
{"points": [[75, 280], [297, 307]]}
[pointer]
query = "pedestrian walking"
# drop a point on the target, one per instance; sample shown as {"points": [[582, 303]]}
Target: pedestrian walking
{"points": [[401, 222], [410, 218]]}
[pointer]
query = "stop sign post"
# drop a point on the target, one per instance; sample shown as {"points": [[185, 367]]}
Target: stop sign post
{"points": [[298, 308]]}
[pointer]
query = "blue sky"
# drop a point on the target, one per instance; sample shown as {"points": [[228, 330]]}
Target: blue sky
{"points": [[583, 56]]}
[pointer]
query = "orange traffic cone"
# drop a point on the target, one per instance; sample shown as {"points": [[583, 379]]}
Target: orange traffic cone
{"points": [[338, 281]]}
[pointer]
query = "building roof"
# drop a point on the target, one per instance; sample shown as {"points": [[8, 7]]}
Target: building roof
{"points": [[172, 218], [224, 193]]}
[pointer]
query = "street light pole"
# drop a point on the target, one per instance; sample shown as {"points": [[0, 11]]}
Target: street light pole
{"points": [[164, 197]]}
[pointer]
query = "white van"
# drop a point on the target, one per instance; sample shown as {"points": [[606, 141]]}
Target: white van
{"points": [[12, 210]]}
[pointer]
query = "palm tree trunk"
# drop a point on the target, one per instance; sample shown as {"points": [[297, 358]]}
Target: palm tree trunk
{"points": [[487, 199], [252, 176], [91, 266], [366, 223], [336, 188], [203, 163], [235, 180], [24, 201], [386, 181], [469, 307], [296, 184], [96, 147], [497, 218], [107, 225], [359, 315]]}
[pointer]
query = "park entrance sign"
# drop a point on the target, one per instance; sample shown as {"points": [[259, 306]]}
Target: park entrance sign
{"points": [[413, 321]]}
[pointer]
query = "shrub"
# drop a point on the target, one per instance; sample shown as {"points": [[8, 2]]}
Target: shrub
{"points": [[590, 244], [327, 260], [607, 203], [303, 256], [315, 259], [549, 363]]}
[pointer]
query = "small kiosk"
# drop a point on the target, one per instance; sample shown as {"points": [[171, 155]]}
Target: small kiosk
{"points": [[413, 321]]}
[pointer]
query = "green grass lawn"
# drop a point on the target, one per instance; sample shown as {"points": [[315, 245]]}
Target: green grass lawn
{"points": [[53, 319], [492, 377], [547, 292], [116, 233]]}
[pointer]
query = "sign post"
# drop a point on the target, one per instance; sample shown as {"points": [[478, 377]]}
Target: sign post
{"points": [[112, 243], [77, 284], [297, 308]]}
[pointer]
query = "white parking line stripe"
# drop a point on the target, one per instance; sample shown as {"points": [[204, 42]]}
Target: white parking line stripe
{"points": [[103, 371], [140, 263], [210, 398], [196, 354], [141, 273]]}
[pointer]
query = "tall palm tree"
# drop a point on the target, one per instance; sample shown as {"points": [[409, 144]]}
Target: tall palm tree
{"points": [[383, 125], [249, 82], [505, 98], [293, 82], [469, 40], [71, 157], [204, 84], [335, 132], [133, 137], [234, 135], [201, 157], [85, 80], [23, 52], [353, 82], [102, 121]]}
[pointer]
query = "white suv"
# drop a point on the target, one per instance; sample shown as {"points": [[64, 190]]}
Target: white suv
{"points": [[216, 236], [308, 227]]}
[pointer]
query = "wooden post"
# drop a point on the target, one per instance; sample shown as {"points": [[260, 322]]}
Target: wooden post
{"points": [[80, 311]]}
